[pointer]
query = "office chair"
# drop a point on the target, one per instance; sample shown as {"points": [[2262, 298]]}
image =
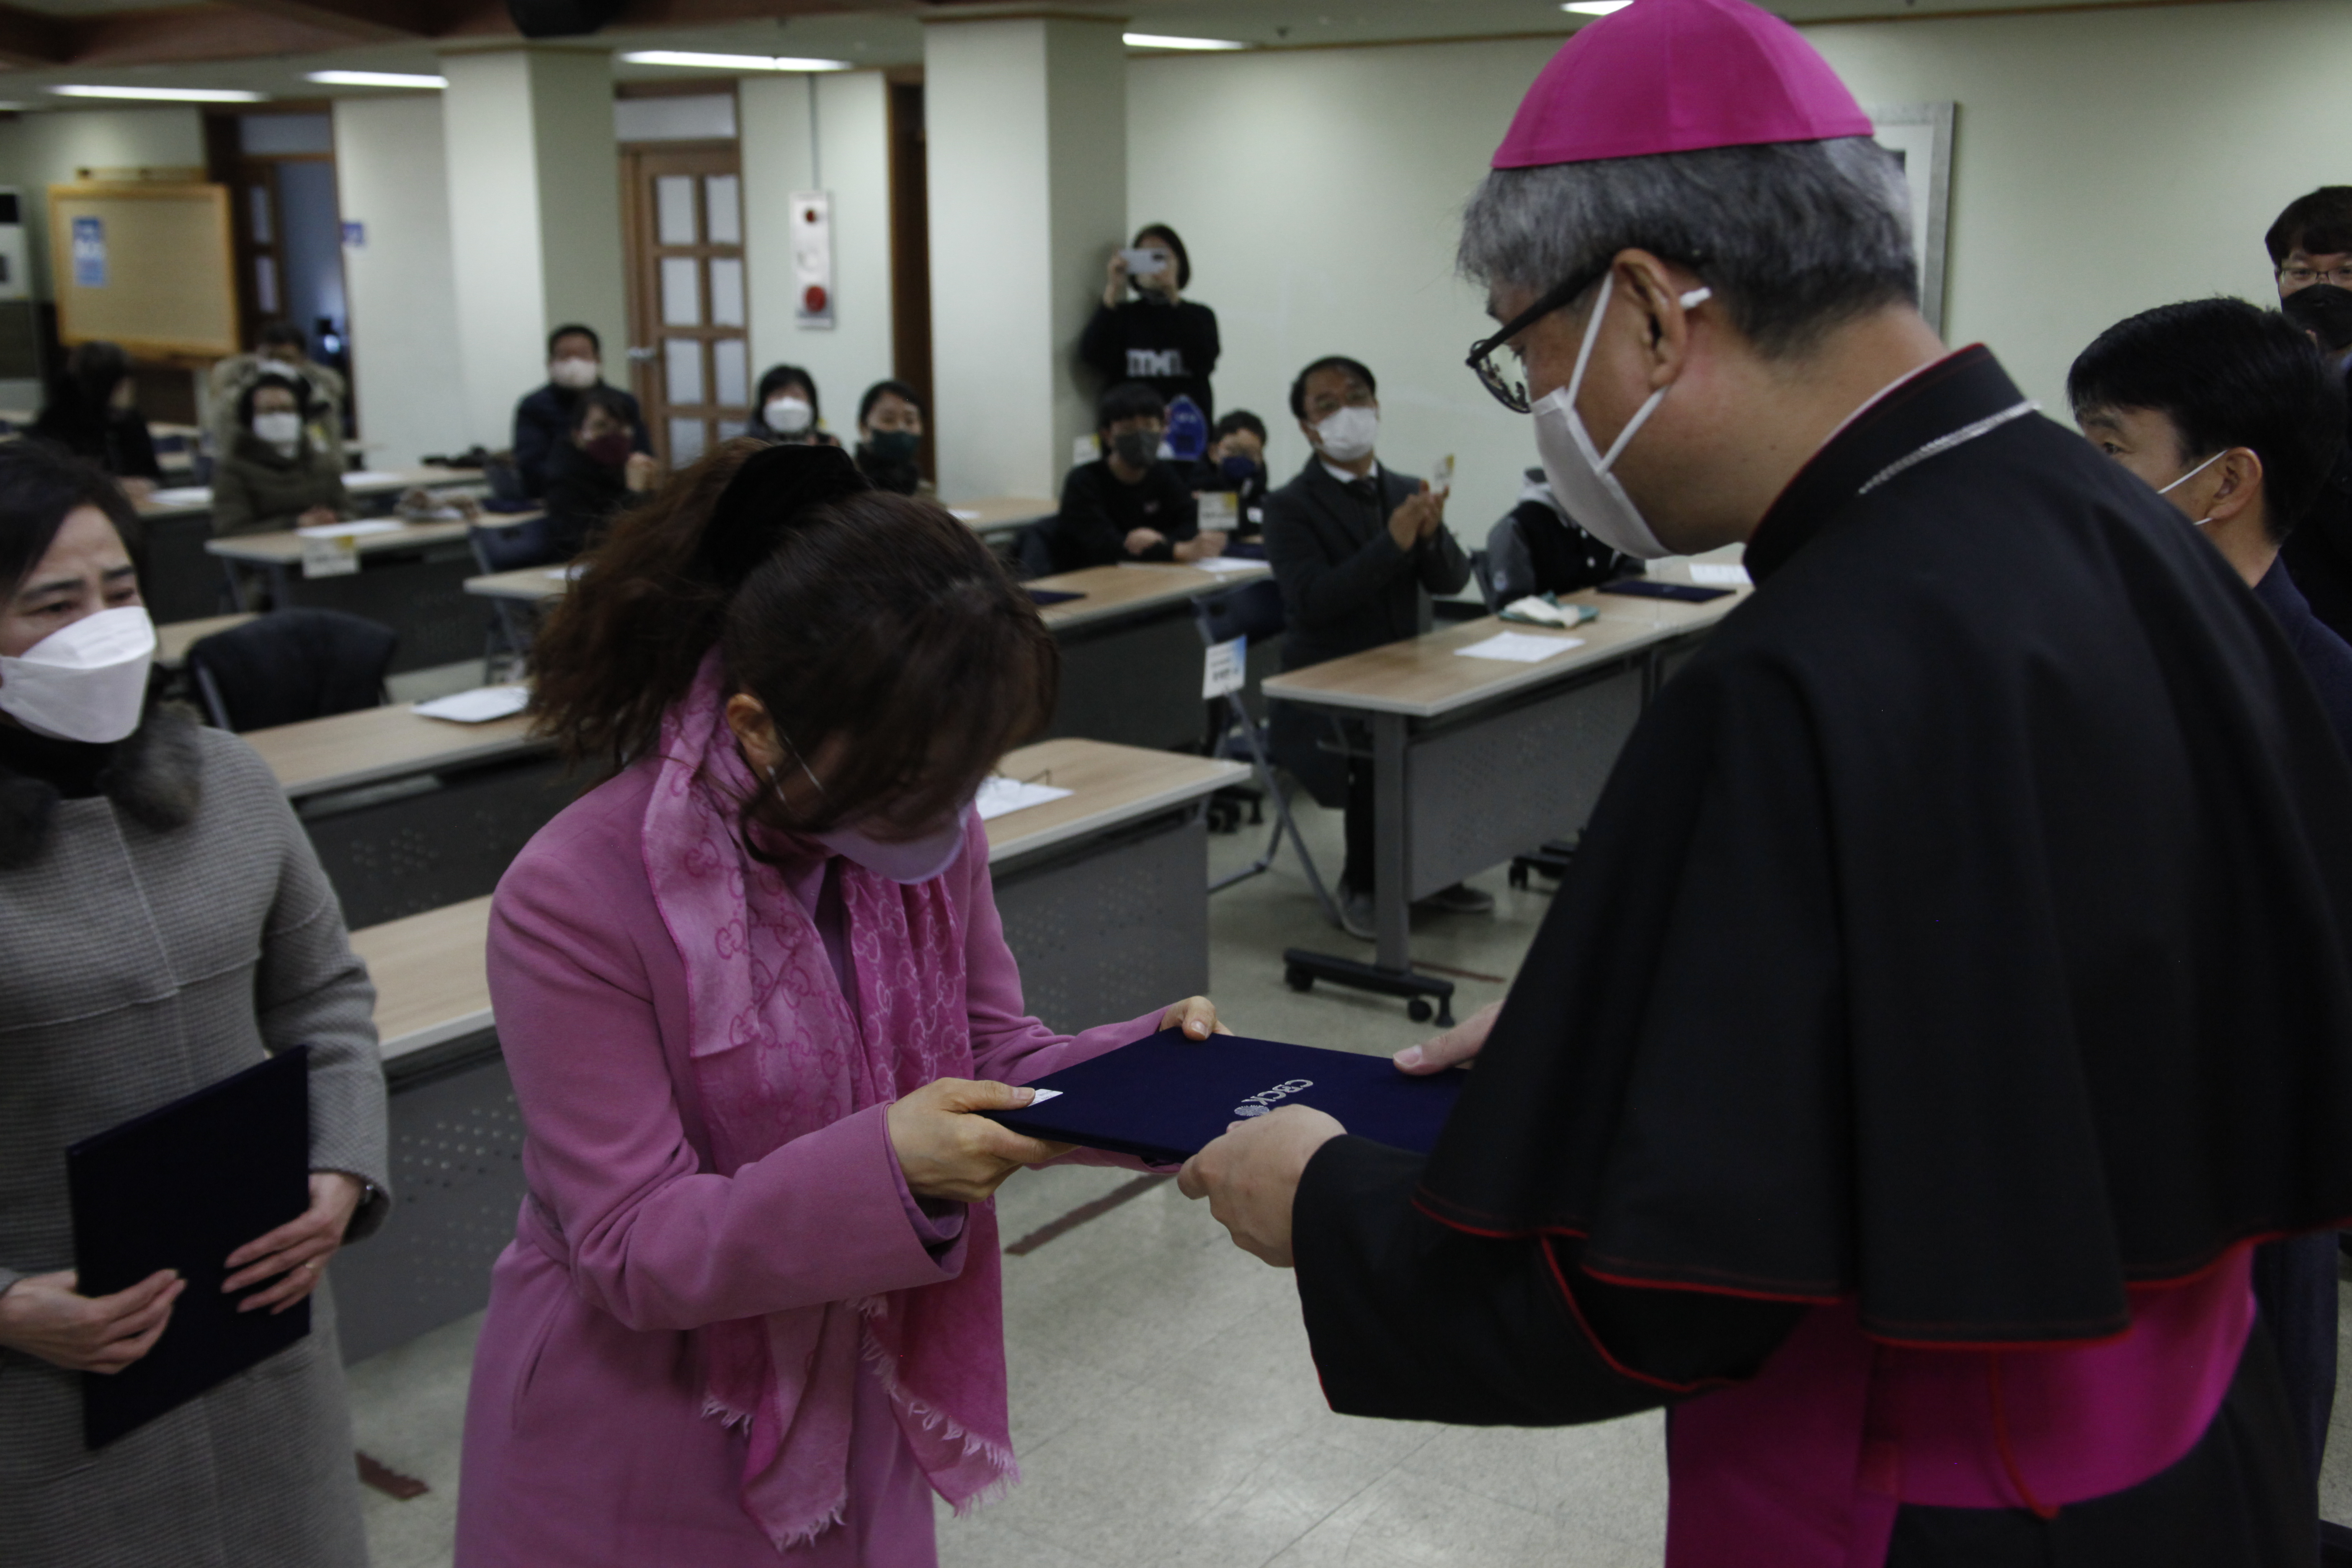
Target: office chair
{"points": [[508, 547], [291, 665]]}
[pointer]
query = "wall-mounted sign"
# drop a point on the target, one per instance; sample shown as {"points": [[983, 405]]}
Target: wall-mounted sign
{"points": [[812, 235], [89, 253], [355, 234]]}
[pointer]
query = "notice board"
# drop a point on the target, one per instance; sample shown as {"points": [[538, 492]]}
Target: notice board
{"points": [[147, 264]]}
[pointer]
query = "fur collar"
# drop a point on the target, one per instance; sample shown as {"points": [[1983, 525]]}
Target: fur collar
{"points": [[155, 779]]}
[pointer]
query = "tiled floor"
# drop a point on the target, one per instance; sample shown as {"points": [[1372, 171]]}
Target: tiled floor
{"points": [[1164, 1405]]}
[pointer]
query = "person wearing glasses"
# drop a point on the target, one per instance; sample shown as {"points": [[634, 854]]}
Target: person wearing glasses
{"points": [[1358, 549], [2311, 250], [1954, 983]]}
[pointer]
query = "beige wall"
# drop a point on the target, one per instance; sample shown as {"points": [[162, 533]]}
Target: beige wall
{"points": [[38, 151], [391, 178]]}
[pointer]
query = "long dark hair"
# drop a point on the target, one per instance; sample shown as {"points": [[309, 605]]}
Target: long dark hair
{"points": [[39, 485], [873, 617]]}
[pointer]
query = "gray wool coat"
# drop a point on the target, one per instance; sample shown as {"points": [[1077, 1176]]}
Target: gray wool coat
{"points": [[154, 940]]}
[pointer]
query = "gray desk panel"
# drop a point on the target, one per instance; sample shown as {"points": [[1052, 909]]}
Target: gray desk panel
{"points": [[456, 1179], [420, 594], [182, 581], [1513, 777], [1114, 926], [1134, 681], [421, 843]]}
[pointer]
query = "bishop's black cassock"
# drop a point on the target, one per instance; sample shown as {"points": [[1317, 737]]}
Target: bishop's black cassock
{"points": [[1955, 979]]}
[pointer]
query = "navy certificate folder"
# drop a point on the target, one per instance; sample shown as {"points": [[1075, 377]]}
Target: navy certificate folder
{"points": [[182, 1187], [1165, 1096]]}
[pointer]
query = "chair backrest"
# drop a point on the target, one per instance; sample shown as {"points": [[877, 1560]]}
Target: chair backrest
{"points": [[1482, 572], [1253, 610], [510, 547], [1034, 550], [293, 665], [1507, 573]]}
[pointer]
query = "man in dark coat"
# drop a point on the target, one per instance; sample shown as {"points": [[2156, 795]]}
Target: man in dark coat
{"points": [[544, 420], [1955, 980], [1358, 549]]}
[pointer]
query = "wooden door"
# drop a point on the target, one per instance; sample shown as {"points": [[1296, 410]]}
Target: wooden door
{"points": [[690, 353]]}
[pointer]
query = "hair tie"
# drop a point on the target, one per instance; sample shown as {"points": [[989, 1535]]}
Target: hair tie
{"points": [[768, 494]]}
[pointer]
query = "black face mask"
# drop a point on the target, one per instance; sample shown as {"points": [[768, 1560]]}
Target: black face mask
{"points": [[894, 446], [1136, 448]]}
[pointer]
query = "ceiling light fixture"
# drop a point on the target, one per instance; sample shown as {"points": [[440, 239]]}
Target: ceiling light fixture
{"points": [[1596, 7], [1161, 41], [731, 62], [376, 79], [165, 94]]}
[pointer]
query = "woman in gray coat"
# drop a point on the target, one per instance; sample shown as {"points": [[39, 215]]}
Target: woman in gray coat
{"points": [[163, 923]]}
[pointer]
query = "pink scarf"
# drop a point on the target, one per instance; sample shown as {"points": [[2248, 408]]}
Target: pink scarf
{"points": [[777, 1053]]}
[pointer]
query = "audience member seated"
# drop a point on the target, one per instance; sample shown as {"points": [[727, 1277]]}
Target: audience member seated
{"points": [[168, 926], [93, 413], [1128, 504], [593, 474], [280, 349], [1235, 463], [1357, 549], [276, 475], [785, 409], [1156, 337], [1537, 548], [890, 438], [544, 420]]}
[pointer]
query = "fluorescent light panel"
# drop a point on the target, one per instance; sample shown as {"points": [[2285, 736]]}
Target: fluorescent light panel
{"points": [[165, 94], [731, 62], [376, 79], [1161, 41], [1596, 7]]}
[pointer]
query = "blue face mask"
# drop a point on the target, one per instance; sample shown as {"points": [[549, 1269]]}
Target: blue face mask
{"points": [[1238, 469]]}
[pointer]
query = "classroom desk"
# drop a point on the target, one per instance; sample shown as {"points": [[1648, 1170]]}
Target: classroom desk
{"points": [[1105, 901], [409, 814], [1001, 514], [174, 638], [1475, 760], [1131, 655], [411, 579]]}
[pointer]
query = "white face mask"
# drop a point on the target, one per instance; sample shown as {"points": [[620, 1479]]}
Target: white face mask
{"points": [[574, 374], [2191, 475], [1578, 470], [278, 429], [1347, 437], [87, 682], [788, 415]]}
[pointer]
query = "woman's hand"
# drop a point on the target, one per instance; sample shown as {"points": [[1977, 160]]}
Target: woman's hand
{"points": [[317, 517], [641, 472], [1458, 1045], [42, 1316], [947, 1151], [1196, 1015], [299, 1249], [1115, 286]]}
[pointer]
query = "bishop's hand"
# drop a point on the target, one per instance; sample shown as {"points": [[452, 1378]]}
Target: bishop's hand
{"points": [[1251, 1174]]}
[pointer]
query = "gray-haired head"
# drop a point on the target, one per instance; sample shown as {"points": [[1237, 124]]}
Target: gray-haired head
{"points": [[1793, 237]]}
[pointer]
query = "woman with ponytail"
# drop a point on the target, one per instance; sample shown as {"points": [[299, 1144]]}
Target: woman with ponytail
{"points": [[752, 990]]}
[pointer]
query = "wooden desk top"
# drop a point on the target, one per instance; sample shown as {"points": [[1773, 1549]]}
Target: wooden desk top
{"points": [[1114, 785], [174, 638], [431, 983], [1125, 590], [377, 744], [1001, 514], [1422, 677], [364, 482], [532, 585]]}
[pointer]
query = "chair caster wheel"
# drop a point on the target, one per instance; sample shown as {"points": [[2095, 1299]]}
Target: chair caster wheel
{"points": [[1297, 979], [1417, 1010]]}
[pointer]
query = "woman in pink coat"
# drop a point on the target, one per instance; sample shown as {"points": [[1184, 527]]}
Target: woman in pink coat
{"points": [[751, 989]]}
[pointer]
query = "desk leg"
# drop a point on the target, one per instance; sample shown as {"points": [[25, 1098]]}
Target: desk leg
{"points": [[235, 587], [281, 586], [1392, 897]]}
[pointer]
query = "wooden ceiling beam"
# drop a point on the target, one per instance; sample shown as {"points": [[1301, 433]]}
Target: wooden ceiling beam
{"points": [[31, 38], [362, 21]]}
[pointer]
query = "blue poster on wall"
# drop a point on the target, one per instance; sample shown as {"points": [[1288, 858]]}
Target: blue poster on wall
{"points": [[89, 253]]}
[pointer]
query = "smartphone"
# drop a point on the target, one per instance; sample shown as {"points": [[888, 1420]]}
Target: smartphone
{"points": [[1145, 263]]}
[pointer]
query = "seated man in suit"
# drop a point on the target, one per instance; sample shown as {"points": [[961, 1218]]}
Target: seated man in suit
{"points": [[1358, 550], [544, 418], [1128, 504]]}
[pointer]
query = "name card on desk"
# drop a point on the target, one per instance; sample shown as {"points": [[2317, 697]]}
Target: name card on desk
{"points": [[1220, 510], [1226, 668], [329, 554]]}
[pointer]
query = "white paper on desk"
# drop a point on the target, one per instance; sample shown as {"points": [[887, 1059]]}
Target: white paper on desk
{"points": [[479, 706], [963, 514], [1000, 795], [352, 530], [181, 495], [568, 574], [372, 476], [1519, 647], [1719, 574], [1223, 565]]}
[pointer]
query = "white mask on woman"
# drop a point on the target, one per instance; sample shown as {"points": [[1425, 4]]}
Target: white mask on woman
{"points": [[1350, 434], [87, 682], [283, 431], [788, 415]]}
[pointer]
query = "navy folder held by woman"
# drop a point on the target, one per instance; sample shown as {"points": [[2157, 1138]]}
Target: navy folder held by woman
{"points": [[182, 1187], [1164, 1097]]}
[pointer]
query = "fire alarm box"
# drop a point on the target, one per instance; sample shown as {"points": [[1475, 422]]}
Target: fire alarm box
{"points": [[812, 258]]}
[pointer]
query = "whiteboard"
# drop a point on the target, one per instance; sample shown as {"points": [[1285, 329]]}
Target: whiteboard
{"points": [[147, 264]]}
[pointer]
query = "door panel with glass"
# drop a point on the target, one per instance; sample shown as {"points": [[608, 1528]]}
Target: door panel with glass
{"points": [[689, 358]]}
